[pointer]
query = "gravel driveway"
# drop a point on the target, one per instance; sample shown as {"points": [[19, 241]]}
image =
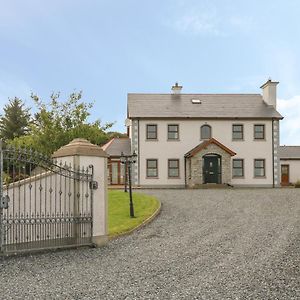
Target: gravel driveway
{"points": [[205, 244]]}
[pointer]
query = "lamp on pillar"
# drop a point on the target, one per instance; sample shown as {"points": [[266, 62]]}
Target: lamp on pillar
{"points": [[128, 160]]}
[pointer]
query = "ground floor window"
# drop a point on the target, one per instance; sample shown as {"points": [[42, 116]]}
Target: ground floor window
{"points": [[152, 169], [237, 168], [173, 168], [259, 168]]}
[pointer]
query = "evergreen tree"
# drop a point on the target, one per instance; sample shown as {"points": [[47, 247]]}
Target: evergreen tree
{"points": [[15, 121]]}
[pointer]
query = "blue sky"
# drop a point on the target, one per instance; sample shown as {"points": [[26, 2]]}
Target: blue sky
{"points": [[109, 48]]}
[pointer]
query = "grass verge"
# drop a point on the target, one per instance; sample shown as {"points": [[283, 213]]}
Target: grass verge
{"points": [[119, 220]]}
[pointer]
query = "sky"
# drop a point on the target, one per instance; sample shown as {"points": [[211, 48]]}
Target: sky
{"points": [[110, 48]]}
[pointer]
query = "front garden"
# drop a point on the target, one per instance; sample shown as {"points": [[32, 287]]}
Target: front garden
{"points": [[119, 220]]}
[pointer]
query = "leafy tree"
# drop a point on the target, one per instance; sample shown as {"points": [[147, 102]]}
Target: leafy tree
{"points": [[115, 134], [58, 122], [15, 121]]}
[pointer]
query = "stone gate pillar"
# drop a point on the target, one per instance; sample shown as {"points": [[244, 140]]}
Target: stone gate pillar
{"points": [[81, 152]]}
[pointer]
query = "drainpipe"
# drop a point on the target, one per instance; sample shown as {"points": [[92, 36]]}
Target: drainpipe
{"points": [[185, 182]]}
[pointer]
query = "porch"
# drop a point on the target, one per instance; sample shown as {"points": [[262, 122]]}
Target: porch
{"points": [[208, 164]]}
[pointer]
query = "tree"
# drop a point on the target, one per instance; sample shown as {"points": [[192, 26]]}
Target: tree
{"points": [[57, 123], [16, 120], [115, 134]]}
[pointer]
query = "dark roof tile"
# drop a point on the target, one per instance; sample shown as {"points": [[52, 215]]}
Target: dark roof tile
{"points": [[212, 106]]}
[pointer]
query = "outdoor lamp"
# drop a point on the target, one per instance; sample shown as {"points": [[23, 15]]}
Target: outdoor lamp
{"points": [[128, 160], [134, 157], [122, 158]]}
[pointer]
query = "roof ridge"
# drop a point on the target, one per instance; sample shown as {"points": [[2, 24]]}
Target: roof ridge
{"points": [[105, 146]]}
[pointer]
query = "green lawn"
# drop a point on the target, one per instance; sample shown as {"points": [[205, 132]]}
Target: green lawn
{"points": [[119, 220]]}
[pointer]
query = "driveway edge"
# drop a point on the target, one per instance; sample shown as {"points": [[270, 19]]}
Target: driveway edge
{"points": [[147, 221]]}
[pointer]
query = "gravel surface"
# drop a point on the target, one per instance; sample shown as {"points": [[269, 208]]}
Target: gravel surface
{"points": [[205, 244]]}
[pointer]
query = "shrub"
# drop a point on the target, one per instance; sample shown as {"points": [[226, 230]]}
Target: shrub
{"points": [[297, 184]]}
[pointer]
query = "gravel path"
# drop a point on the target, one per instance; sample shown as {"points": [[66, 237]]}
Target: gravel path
{"points": [[206, 244]]}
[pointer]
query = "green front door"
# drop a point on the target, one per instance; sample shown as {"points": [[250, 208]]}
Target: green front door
{"points": [[212, 169]]}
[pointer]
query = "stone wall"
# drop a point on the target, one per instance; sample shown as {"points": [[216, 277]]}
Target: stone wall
{"points": [[276, 141], [135, 147], [194, 166]]}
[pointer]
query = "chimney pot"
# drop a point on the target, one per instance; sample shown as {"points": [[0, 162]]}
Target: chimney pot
{"points": [[176, 89]]}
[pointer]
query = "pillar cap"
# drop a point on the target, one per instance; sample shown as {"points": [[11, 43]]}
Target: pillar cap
{"points": [[81, 147]]}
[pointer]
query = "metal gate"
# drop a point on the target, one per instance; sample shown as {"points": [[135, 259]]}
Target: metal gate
{"points": [[44, 203]]}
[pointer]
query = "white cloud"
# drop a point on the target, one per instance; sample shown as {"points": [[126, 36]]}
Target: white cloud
{"points": [[242, 23], [283, 61], [195, 23], [290, 125], [205, 18]]}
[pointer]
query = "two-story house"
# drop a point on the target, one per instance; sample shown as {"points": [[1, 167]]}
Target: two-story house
{"points": [[194, 139]]}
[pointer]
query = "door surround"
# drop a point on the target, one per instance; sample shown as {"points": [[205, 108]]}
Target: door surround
{"points": [[194, 162]]}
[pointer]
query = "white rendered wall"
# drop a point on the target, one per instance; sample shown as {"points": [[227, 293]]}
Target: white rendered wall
{"points": [[189, 137], [294, 166]]}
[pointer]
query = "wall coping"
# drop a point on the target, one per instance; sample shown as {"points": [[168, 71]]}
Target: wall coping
{"points": [[80, 146]]}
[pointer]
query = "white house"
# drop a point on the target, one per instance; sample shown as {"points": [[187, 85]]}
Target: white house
{"points": [[194, 139]]}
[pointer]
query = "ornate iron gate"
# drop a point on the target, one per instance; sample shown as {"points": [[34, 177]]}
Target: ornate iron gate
{"points": [[44, 204]]}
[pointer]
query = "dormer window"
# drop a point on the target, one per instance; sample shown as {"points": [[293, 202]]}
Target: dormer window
{"points": [[205, 131]]}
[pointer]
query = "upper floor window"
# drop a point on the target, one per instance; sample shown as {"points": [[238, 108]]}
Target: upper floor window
{"points": [[237, 132], [205, 132], [151, 132], [259, 168], [173, 132], [237, 167], [173, 168], [259, 132], [152, 168]]}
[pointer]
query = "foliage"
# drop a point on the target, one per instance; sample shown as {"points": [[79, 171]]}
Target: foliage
{"points": [[114, 134], [16, 120], [297, 184], [119, 220], [58, 122]]}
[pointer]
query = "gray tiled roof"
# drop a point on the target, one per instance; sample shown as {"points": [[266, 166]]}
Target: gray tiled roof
{"points": [[289, 152], [117, 145], [212, 106]]}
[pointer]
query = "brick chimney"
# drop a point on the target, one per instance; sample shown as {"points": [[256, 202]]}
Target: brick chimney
{"points": [[269, 92]]}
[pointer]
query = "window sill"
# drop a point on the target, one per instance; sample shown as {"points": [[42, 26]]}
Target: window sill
{"points": [[237, 140], [259, 140], [173, 177], [238, 177], [151, 140], [259, 177], [173, 140], [152, 177]]}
